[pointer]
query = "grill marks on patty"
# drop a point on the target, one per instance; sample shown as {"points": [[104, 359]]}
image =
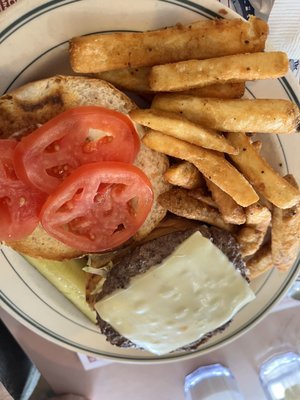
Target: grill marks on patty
{"points": [[154, 252]]}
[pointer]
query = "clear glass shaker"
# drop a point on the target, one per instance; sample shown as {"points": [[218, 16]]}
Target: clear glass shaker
{"points": [[280, 377], [211, 382]]}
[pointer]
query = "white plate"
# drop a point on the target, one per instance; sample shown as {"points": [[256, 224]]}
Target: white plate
{"points": [[33, 44]]}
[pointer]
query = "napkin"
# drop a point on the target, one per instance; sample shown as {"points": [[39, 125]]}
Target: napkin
{"points": [[89, 362], [284, 24]]}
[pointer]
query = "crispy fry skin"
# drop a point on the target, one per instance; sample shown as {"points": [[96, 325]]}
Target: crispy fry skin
{"points": [[134, 79], [201, 195], [179, 202], [185, 175], [251, 236], [190, 74], [219, 90], [286, 233], [248, 239], [258, 215], [237, 115], [260, 262], [231, 212], [265, 180], [137, 80], [173, 124], [212, 165], [200, 40]]}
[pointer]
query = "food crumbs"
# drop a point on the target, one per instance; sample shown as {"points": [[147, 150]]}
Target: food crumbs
{"points": [[223, 11]]}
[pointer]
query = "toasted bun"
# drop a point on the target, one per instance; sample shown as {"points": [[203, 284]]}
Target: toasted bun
{"points": [[36, 103]]}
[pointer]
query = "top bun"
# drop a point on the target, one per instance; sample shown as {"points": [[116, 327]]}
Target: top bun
{"points": [[36, 103]]}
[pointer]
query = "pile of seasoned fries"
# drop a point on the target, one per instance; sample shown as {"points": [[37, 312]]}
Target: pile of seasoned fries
{"points": [[197, 74]]}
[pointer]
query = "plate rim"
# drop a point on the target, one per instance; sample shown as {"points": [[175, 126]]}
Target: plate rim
{"points": [[289, 81]]}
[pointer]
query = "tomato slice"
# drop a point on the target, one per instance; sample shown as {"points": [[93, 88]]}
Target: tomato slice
{"points": [[78, 136], [20, 205], [99, 206]]}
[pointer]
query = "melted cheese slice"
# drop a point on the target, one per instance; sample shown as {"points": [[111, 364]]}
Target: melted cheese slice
{"points": [[192, 292]]}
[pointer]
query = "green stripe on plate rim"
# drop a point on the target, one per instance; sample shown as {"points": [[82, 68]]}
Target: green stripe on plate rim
{"points": [[51, 5], [289, 90], [52, 48], [41, 299], [54, 335], [32, 14], [190, 5]]}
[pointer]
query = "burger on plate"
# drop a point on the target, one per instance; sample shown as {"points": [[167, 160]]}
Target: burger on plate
{"points": [[75, 180]]}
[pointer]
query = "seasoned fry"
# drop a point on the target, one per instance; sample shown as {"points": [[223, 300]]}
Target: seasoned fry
{"points": [[175, 125], [179, 202], [264, 179], [238, 115], [258, 215], [185, 175], [137, 80], [190, 74], [134, 79], [219, 90], [213, 166], [200, 40], [248, 237], [201, 195], [261, 262], [251, 236], [231, 212], [286, 233]]}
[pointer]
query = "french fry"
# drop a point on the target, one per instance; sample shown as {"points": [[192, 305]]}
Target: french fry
{"points": [[185, 175], [237, 115], [179, 202], [200, 40], [258, 215], [251, 236], [231, 212], [201, 195], [190, 74], [264, 179], [177, 126], [286, 233], [261, 262], [137, 80], [134, 79], [213, 166], [219, 90], [247, 238]]}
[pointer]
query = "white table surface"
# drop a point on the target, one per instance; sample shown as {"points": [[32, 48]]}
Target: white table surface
{"points": [[280, 331]]}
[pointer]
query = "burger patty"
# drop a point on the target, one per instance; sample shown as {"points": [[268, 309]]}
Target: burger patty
{"points": [[153, 253]]}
